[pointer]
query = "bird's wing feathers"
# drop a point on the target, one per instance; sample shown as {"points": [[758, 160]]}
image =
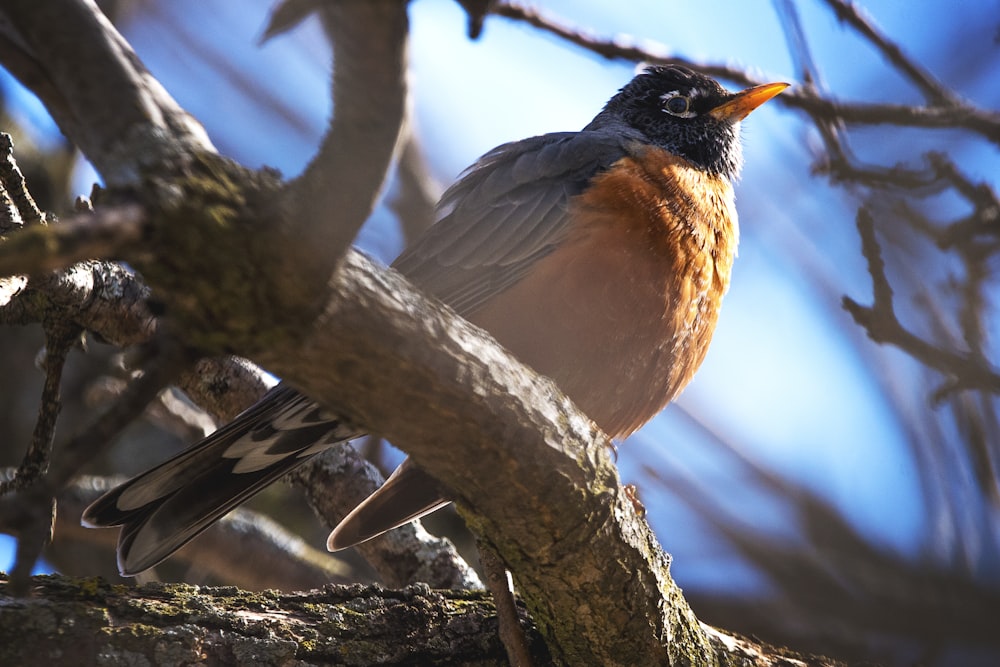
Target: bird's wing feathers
{"points": [[505, 212]]}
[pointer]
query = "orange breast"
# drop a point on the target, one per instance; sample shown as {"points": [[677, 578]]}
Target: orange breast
{"points": [[621, 314]]}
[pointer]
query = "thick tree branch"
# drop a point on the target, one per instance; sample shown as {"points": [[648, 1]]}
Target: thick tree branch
{"points": [[336, 193], [431, 383], [84, 621], [73, 623], [225, 386], [106, 232]]}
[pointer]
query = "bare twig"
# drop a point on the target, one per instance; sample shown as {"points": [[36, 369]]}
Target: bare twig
{"points": [[967, 117], [59, 339], [618, 49], [798, 44], [416, 195], [882, 325], [957, 114], [830, 129], [852, 14], [165, 361], [10, 217], [514, 639]]}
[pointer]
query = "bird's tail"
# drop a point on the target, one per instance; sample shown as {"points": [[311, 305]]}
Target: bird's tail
{"points": [[163, 509], [408, 494]]}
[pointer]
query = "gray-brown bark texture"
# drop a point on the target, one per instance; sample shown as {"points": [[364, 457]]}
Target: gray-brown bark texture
{"points": [[89, 622]]}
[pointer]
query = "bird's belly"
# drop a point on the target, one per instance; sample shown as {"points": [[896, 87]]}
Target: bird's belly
{"points": [[619, 331]]}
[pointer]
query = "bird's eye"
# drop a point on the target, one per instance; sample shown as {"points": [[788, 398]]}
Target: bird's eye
{"points": [[677, 105]]}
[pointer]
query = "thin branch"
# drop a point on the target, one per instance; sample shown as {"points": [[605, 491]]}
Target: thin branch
{"points": [[59, 339], [932, 89], [416, 194], [838, 154], [618, 49], [985, 123], [25, 508], [10, 217], [513, 636], [882, 325], [798, 44], [981, 195], [105, 233], [165, 361], [954, 114]]}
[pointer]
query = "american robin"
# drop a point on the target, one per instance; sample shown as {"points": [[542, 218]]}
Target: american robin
{"points": [[597, 257]]}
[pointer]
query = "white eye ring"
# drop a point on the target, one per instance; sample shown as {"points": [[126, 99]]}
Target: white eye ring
{"points": [[682, 110]]}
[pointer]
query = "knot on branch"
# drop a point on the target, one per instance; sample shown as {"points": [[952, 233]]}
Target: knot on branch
{"points": [[230, 272]]}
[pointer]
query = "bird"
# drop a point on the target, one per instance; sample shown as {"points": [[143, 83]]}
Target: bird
{"points": [[598, 257]]}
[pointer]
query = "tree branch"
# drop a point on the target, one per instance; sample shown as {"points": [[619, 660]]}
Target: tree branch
{"points": [[106, 232], [951, 115], [882, 325], [850, 13], [529, 471], [23, 209], [96, 88], [87, 620], [59, 339], [20, 513], [338, 481], [408, 368], [330, 201], [82, 620]]}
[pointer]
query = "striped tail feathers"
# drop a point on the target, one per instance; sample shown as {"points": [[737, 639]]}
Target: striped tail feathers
{"points": [[164, 508]]}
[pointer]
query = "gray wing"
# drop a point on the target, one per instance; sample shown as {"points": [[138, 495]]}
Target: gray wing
{"points": [[506, 211]]}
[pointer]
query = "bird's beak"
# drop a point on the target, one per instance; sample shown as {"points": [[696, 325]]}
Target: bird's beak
{"points": [[739, 106]]}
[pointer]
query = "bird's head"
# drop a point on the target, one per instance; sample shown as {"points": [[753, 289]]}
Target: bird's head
{"points": [[689, 114]]}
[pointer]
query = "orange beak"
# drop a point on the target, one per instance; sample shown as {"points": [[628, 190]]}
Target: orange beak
{"points": [[740, 106]]}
